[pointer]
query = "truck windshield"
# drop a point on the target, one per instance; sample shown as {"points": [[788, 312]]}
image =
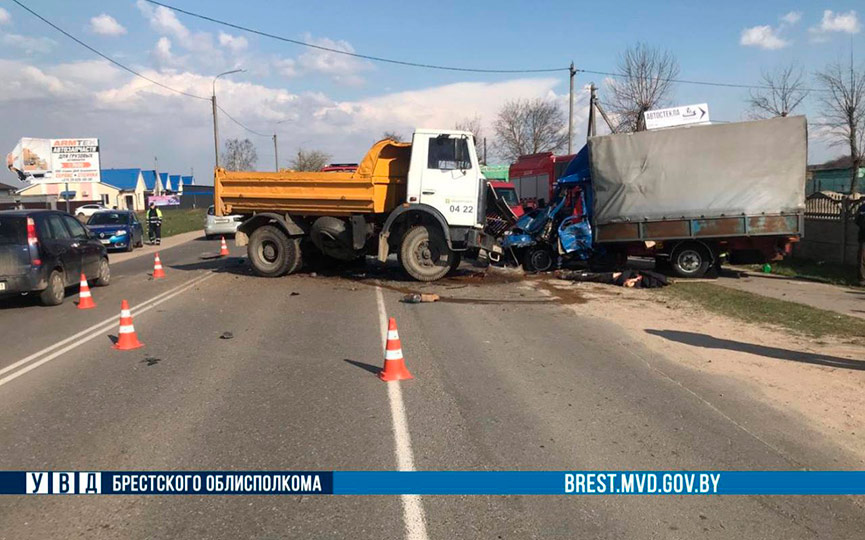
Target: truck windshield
{"points": [[508, 195], [448, 153], [108, 218]]}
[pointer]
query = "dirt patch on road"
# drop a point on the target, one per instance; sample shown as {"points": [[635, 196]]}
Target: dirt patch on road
{"points": [[820, 380]]}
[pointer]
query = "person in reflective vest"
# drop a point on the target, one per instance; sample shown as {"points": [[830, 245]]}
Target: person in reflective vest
{"points": [[154, 224]]}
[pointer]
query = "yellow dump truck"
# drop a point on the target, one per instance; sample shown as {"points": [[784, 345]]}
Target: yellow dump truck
{"points": [[423, 200]]}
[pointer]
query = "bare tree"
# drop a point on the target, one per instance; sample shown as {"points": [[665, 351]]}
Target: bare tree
{"points": [[474, 126], [530, 126], [644, 81], [844, 111], [392, 135], [239, 155], [784, 91], [309, 160]]}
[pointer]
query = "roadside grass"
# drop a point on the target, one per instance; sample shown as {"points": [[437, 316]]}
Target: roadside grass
{"points": [[177, 221], [822, 271], [756, 309]]}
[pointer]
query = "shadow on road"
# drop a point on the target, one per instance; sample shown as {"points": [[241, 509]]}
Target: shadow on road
{"points": [[709, 342], [362, 365]]}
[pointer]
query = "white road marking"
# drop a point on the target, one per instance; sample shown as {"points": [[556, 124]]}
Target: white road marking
{"points": [[85, 331], [412, 507], [96, 330]]}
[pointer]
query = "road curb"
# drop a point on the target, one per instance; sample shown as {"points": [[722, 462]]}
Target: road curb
{"points": [[167, 243]]}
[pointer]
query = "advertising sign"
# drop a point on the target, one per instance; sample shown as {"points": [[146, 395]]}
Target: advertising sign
{"points": [[677, 116], [75, 160], [31, 156], [164, 200]]}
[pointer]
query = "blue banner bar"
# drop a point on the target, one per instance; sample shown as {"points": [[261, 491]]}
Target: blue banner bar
{"points": [[432, 483]]}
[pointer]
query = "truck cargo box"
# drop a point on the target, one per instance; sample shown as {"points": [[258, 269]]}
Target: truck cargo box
{"points": [[377, 186], [744, 178]]}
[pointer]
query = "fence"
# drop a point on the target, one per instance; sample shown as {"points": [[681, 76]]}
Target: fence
{"points": [[830, 228]]}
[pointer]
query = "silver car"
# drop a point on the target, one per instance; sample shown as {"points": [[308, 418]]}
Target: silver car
{"points": [[218, 226]]}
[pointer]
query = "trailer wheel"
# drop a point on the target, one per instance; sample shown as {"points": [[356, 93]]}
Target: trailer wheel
{"points": [[538, 259], [424, 253], [690, 260], [272, 253]]}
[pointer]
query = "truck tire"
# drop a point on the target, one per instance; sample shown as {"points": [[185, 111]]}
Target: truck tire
{"points": [[690, 260], [272, 253], [424, 253], [55, 291], [538, 259]]}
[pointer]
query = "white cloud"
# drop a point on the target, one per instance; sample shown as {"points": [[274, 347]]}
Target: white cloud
{"points": [[165, 22], [234, 43], [29, 44], [792, 18], [162, 54], [340, 68], [837, 22], [764, 37], [106, 25], [5, 17]]}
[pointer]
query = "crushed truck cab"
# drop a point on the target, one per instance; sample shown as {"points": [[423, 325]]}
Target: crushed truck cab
{"points": [[422, 200]]}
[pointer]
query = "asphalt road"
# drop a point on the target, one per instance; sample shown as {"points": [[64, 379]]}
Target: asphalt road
{"points": [[504, 379]]}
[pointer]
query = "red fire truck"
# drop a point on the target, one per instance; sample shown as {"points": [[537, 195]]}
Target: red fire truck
{"points": [[534, 176]]}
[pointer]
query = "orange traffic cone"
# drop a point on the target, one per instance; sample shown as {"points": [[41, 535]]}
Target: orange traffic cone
{"points": [[85, 301], [394, 364], [223, 250], [158, 272], [126, 337]]}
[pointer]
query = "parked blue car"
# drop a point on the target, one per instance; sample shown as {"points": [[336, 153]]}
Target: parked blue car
{"points": [[117, 229]]}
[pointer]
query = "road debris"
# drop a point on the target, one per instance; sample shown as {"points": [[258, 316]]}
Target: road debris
{"points": [[642, 279], [226, 335], [418, 298]]}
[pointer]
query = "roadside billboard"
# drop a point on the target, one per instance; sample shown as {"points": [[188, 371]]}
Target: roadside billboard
{"points": [[677, 116], [164, 200], [75, 160], [31, 156]]}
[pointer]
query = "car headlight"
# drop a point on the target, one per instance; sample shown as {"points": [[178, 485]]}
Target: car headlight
{"points": [[120, 233]]}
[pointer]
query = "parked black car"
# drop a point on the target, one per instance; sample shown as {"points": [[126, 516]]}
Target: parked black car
{"points": [[46, 251]]}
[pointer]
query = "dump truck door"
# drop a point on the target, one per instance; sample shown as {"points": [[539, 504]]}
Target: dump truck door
{"points": [[449, 177]]}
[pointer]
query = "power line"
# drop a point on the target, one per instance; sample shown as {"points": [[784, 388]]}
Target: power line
{"points": [[436, 66], [106, 57], [702, 83], [347, 53], [240, 124]]}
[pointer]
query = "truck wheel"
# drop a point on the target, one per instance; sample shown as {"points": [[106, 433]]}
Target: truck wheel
{"points": [[424, 253], [690, 260], [538, 259], [272, 253], [56, 290]]}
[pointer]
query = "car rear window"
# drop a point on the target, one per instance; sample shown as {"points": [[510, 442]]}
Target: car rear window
{"points": [[108, 218], [13, 230]]}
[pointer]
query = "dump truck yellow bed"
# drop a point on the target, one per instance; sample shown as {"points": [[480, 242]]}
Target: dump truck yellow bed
{"points": [[378, 186]]}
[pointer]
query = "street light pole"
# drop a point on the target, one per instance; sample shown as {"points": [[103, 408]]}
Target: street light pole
{"points": [[215, 125], [571, 72]]}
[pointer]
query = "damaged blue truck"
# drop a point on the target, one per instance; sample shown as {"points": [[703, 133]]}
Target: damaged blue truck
{"points": [[689, 197]]}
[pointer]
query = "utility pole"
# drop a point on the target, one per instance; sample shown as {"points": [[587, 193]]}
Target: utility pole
{"points": [[591, 129], [215, 126], [275, 155], [485, 150], [571, 72]]}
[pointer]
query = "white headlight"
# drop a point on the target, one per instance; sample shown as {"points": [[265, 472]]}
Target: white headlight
{"points": [[120, 233]]}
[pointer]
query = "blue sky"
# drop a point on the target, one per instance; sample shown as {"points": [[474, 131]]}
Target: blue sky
{"points": [[56, 88]]}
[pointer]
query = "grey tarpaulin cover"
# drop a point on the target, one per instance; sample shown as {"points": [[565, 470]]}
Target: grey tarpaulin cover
{"points": [[712, 170]]}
